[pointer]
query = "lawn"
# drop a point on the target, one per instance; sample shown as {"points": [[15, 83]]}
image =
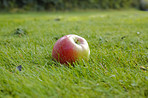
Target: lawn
{"points": [[118, 64]]}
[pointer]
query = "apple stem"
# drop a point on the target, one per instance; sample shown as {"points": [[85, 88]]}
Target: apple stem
{"points": [[77, 41]]}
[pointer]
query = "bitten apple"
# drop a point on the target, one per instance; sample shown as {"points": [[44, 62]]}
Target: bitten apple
{"points": [[70, 48]]}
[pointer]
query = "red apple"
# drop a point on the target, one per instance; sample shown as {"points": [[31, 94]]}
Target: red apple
{"points": [[70, 48]]}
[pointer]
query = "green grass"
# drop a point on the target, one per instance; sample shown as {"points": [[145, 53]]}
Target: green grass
{"points": [[118, 65]]}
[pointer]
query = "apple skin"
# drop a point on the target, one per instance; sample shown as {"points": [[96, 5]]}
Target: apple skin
{"points": [[70, 48]]}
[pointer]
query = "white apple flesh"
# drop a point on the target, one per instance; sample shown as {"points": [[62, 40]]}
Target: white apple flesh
{"points": [[70, 48]]}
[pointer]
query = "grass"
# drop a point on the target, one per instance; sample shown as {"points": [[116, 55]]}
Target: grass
{"points": [[118, 65]]}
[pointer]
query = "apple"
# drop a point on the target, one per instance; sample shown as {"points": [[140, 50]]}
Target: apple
{"points": [[70, 48]]}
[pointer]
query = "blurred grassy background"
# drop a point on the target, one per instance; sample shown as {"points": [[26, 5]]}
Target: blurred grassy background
{"points": [[54, 5]]}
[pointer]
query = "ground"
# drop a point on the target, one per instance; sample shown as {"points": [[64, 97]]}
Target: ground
{"points": [[118, 64]]}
